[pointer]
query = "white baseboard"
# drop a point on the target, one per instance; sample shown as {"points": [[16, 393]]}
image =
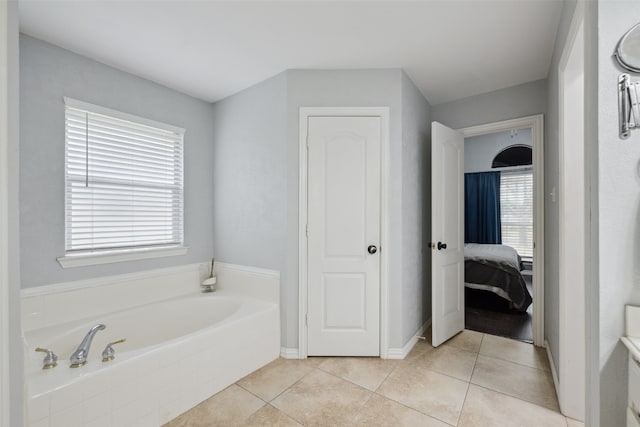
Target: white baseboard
{"points": [[289, 353], [401, 353], [554, 372], [392, 353]]}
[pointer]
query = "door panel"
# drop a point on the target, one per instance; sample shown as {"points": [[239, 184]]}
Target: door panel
{"points": [[343, 220], [345, 193], [341, 290], [447, 210]]}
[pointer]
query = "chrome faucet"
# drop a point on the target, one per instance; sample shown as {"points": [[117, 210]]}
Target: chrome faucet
{"points": [[79, 357]]}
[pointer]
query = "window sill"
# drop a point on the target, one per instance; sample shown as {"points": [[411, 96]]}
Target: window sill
{"points": [[108, 257]]}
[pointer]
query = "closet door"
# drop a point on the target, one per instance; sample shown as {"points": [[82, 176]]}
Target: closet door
{"points": [[343, 236]]}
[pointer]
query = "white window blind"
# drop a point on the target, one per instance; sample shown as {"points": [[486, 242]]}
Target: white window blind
{"points": [[516, 211], [124, 181]]}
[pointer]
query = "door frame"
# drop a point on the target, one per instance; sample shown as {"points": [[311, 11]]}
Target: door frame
{"points": [[304, 115], [536, 124], [566, 381], [10, 403]]}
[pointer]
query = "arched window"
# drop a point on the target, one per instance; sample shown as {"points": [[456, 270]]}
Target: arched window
{"points": [[515, 155]]}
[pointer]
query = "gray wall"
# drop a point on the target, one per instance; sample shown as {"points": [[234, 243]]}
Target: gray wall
{"points": [[551, 179], [619, 214], [47, 74], [318, 88], [479, 151], [256, 157], [416, 210], [15, 351], [250, 180], [510, 103]]}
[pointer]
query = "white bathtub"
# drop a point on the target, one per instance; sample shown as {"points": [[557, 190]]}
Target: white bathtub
{"points": [[177, 353]]}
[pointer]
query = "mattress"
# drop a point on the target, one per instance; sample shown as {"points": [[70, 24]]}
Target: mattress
{"points": [[496, 268]]}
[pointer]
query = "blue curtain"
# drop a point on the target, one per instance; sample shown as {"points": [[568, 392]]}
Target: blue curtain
{"points": [[482, 208]]}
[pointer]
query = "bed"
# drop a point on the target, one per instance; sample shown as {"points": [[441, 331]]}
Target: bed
{"points": [[496, 268]]}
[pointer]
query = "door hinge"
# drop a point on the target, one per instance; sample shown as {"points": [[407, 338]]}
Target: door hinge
{"points": [[306, 228], [306, 319]]}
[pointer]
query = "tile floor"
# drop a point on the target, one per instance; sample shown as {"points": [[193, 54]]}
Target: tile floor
{"points": [[473, 380]]}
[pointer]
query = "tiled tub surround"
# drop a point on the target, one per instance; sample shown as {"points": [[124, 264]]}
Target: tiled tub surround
{"points": [[182, 345]]}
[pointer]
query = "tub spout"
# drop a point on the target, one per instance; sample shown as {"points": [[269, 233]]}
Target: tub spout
{"points": [[79, 357]]}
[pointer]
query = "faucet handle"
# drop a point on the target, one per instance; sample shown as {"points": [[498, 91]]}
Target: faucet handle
{"points": [[50, 360], [109, 353]]}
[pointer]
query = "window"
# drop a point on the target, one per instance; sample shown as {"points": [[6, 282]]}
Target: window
{"points": [[515, 155], [124, 182], [516, 211]]}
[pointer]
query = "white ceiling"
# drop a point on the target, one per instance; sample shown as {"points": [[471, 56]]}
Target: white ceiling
{"points": [[451, 49]]}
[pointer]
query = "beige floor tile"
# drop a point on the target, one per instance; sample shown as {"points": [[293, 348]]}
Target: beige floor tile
{"points": [[514, 351], [523, 382], [421, 347], [322, 399], [429, 392], [486, 408], [231, 406], [314, 361], [449, 360], [466, 340], [379, 411], [274, 378], [574, 423], [368, 372], [271, 417]]}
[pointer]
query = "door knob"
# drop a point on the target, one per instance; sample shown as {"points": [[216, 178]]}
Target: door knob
{"points": [[442, 246], [372, 249]]}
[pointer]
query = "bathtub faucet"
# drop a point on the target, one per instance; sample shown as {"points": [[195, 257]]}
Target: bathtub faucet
{"points": [[79, 357]]}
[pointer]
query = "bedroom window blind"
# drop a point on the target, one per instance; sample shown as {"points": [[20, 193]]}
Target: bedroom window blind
{"points": [[516, 211], [124, 181]]}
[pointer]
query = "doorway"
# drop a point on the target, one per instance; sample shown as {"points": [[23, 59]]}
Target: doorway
{"points": [[342, 226], [498, 174], [534, 125]]}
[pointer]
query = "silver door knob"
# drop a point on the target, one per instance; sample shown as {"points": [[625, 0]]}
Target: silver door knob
{"points": [[372, 249]]}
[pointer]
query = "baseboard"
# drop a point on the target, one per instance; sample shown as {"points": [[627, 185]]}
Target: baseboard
{"points": [[392, 353], [401, 353], [554, 372], [289, 353]]}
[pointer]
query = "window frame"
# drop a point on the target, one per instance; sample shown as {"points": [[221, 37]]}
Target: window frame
{"points": [[78, 258]]}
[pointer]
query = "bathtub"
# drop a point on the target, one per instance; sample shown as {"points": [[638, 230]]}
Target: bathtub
{"points": [[177, 353]]}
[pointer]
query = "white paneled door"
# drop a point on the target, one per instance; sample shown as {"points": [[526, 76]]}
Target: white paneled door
{"points": [[343, 296], [447, 222]]}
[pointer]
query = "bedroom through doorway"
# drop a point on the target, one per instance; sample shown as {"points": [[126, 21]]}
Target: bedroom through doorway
{"points": [[500, 231]]}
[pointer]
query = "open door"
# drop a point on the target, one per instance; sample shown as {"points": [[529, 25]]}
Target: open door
{"points": [[447, 231]]}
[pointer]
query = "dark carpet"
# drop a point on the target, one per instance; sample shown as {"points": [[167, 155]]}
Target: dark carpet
{"points": [[487, 312]]}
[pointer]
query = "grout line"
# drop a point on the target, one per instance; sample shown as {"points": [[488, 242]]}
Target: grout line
{"points": [[464, 401], [413, 409], [517, 398], [355, 414], [347, 380], [490, 356], [292, 385], [249, 391]]}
